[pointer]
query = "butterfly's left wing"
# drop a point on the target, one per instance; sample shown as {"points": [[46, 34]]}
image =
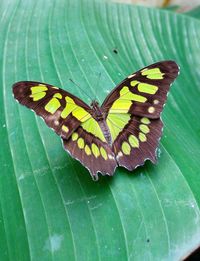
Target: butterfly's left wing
{"points": [[133, 111], [72, 119], [62, 111]]}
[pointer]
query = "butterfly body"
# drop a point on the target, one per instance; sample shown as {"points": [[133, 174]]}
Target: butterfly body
{"points": [[123, 131], [100, 115]]}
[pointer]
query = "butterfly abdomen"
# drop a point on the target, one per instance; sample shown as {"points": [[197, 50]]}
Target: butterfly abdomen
{"points": [[104, 127]]}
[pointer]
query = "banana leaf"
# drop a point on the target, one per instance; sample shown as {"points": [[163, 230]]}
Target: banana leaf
{"points": [[50, 209]]}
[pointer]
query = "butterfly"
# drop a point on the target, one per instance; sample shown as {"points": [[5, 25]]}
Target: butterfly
{"points": [[124, 131]]}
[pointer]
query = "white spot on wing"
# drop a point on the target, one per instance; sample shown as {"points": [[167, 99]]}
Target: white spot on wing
{"points": [[110, 156], [56, 122], [130, 76], [156, 101], [120, 154], [151, 109]]}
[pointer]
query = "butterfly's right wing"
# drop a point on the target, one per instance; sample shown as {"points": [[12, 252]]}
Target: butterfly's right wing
{"points": [[62, 111], [133, 111]]}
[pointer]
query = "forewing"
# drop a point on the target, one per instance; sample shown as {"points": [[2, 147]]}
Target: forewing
{"points": [[61, 110], [137, 142], [93, 152], [143, 93]]}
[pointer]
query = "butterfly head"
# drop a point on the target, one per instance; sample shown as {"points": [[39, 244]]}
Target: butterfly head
{"points": [[94, 104], [97, 111]]}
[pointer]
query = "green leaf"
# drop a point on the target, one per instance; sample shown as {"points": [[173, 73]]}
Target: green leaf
{"points": [[50, 209], [194, 12]]}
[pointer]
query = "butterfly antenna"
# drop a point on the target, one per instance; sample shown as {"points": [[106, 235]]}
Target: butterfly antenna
{"points": [[81, 89], [97, 85]]}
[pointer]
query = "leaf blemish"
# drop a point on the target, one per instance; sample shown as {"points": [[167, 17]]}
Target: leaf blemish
{"points": [[53, 243]]}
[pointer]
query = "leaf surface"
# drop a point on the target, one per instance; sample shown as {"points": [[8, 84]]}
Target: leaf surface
{"points": [[50, 209]]}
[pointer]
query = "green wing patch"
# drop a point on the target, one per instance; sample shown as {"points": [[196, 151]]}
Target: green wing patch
{"points": [[92, 126], [116, 123]]}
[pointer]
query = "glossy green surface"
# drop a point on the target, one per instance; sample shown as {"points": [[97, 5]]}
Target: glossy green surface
{"points": [[195, 12], [50, 209]]}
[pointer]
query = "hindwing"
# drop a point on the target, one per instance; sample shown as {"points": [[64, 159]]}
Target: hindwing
{"points": [[96, 155], [137, 142]]}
